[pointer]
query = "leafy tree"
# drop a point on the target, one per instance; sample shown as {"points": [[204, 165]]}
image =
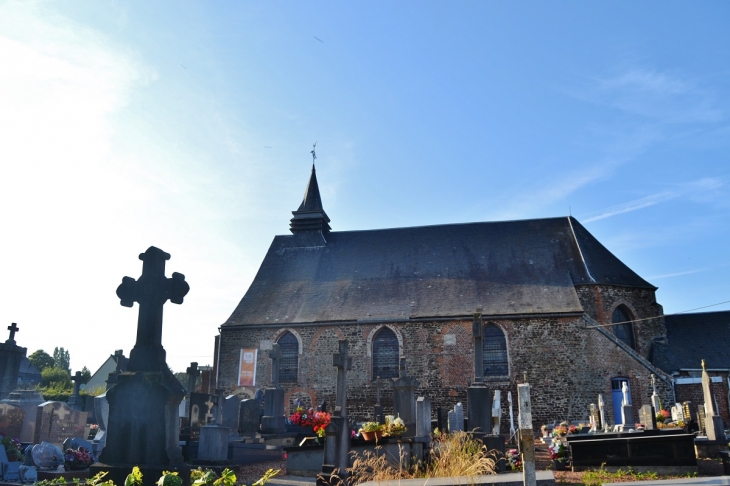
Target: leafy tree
{"points": [[41, 360], [61, 359], [55, 377], [85, 375]]}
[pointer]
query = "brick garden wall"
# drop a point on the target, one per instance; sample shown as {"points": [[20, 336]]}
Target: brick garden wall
{"points": [[693, 393], [567, 364]]}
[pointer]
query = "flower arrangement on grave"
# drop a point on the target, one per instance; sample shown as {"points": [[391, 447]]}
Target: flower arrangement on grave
{"points": [[573, 429], [371, 427], [80, 458], [12, 448], [662, 416], [560, 431], [317, 420], [514, 461], [557, 452], [394, 426]]}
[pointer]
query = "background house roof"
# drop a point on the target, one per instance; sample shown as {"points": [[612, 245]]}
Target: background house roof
{"points": [[507, 268], [692, 338]]}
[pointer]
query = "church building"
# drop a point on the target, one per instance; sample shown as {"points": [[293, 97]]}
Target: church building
{"points": [[557, 308]]}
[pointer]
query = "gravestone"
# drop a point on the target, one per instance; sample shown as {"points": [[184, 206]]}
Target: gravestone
{"points": [[655, 402], [337, 432], [76, 401], [273, 421], [701, 421], [423, 419], [202, 411], [213, 445], [10, 357], [478, 398], [496, 412], [647, 417], [11, 420], [511, 417], [144, 427], [230, 413], [249, 418], [101, 410], [28, 400], [627, 411], [442, 419], [602, 413], [527, 441], [193, 372], [596, 418], [378, 415], [322, 407], [713, 422], [689, 411], [56, 422], [677, 412], [404, 399]]}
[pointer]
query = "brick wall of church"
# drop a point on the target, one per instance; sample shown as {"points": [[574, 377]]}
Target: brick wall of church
{"points": [[599, 302], [693, 393], [566, 363]]}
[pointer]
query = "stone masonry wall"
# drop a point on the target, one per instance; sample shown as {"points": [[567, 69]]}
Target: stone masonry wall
{"points": [[567, 365], [693, 393]]}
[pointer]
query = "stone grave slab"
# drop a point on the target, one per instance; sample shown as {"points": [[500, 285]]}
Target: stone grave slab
{"points": [[11, 420], [230, 413], [56, 422], [28, 400], [202, 411], [249, 417]]}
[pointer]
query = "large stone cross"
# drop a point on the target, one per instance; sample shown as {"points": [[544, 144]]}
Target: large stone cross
{"points": [[377, 391], [477, 331], [193, 373], [77, 382], [343, 363], [151, 291], [13, 329], [275, 355]]}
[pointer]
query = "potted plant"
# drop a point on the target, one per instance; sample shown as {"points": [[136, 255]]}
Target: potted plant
{"points": [[12, 448], [394, 427], [371, 430], [74, 460], [558, 455]]}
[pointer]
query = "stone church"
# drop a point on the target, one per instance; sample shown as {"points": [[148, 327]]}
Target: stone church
{"points": [[556, 305]]}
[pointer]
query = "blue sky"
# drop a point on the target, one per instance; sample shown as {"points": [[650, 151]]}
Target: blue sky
{"points": [[188, 126]]}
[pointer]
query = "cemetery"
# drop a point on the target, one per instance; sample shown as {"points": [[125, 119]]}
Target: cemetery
{"points": [[147, 424]]}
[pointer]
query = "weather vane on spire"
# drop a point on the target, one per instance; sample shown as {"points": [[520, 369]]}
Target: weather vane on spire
{"points": [[314, 154]]}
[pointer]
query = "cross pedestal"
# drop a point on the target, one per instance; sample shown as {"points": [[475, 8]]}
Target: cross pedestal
{"points": [[273, 421], [404, 399], [337, 432], [478, 397], [144, 426], [76, 401]]}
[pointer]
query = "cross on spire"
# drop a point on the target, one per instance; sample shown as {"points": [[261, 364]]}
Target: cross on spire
{"points": [[151, 291], [13, 329], [314, 154]]}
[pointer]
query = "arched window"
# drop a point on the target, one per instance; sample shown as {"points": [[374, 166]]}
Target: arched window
{"points": [[385, 354], [494, 345], [624, 331], [289, 364]]}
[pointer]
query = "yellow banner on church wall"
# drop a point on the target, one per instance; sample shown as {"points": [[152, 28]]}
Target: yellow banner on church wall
{"points": [[247, 368]]}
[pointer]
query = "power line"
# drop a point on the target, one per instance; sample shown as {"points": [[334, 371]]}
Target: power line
{"points": [[663, 315]]}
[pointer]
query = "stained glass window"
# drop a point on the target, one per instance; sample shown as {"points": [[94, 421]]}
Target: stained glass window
{"points": [[289, 364], [385, 354], [494, 345], [625, 331]]}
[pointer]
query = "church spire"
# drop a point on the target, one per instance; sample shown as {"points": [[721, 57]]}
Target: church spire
{"points": [[310, 216]]}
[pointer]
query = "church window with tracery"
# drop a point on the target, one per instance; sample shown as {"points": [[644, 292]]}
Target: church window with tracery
{"points": [[289, 364], [494, 345], [623, 329], [386, 354]]}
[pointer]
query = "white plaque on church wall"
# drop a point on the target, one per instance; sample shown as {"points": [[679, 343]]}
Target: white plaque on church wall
{"points": [[266, 345], [449, 339]]}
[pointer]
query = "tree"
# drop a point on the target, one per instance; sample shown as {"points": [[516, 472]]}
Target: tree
{"points": [[61, 359], [41, 360], [85, 375], [55, 377]]}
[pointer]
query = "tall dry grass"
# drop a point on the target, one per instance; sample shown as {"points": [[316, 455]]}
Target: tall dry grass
{"points": [[451, 455]]}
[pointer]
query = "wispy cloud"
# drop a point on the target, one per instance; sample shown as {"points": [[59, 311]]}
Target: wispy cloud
{"points": [[677, 274], [693, 189]]}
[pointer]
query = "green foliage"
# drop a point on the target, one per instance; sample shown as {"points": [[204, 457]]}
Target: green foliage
{"points": [[85, 375], [94, 391], [41, 360], [57, 393], [601, 476], [228, 478], [62, 359], [169, 478], [55, 377], [207, 477], [134, 478]]}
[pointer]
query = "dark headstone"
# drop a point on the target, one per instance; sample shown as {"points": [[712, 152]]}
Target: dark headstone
{"points": [[627, 412], [273, 421], [337, 432], [701, 421], [28, 400], [202, 410], [76, 401], [11, 356], [647, 417], [404, 399], [249, 418], [322, 407], [478, 396], [11, 420], [144, 425], [56, 422], [690, 416], [230, 413]]}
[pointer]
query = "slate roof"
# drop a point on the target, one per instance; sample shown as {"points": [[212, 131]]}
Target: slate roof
{"points": [[507, 268], [692, 338]]}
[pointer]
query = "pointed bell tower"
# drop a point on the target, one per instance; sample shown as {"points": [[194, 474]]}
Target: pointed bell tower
{"points": [[310, 217]]}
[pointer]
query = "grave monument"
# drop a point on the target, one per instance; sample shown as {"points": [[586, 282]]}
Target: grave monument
{"points": [[143, 428], [76, 401], [714, 427], [273, 421], [478, 399], [10, 357], [527, 441], [337, 432], [404, 399]]}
